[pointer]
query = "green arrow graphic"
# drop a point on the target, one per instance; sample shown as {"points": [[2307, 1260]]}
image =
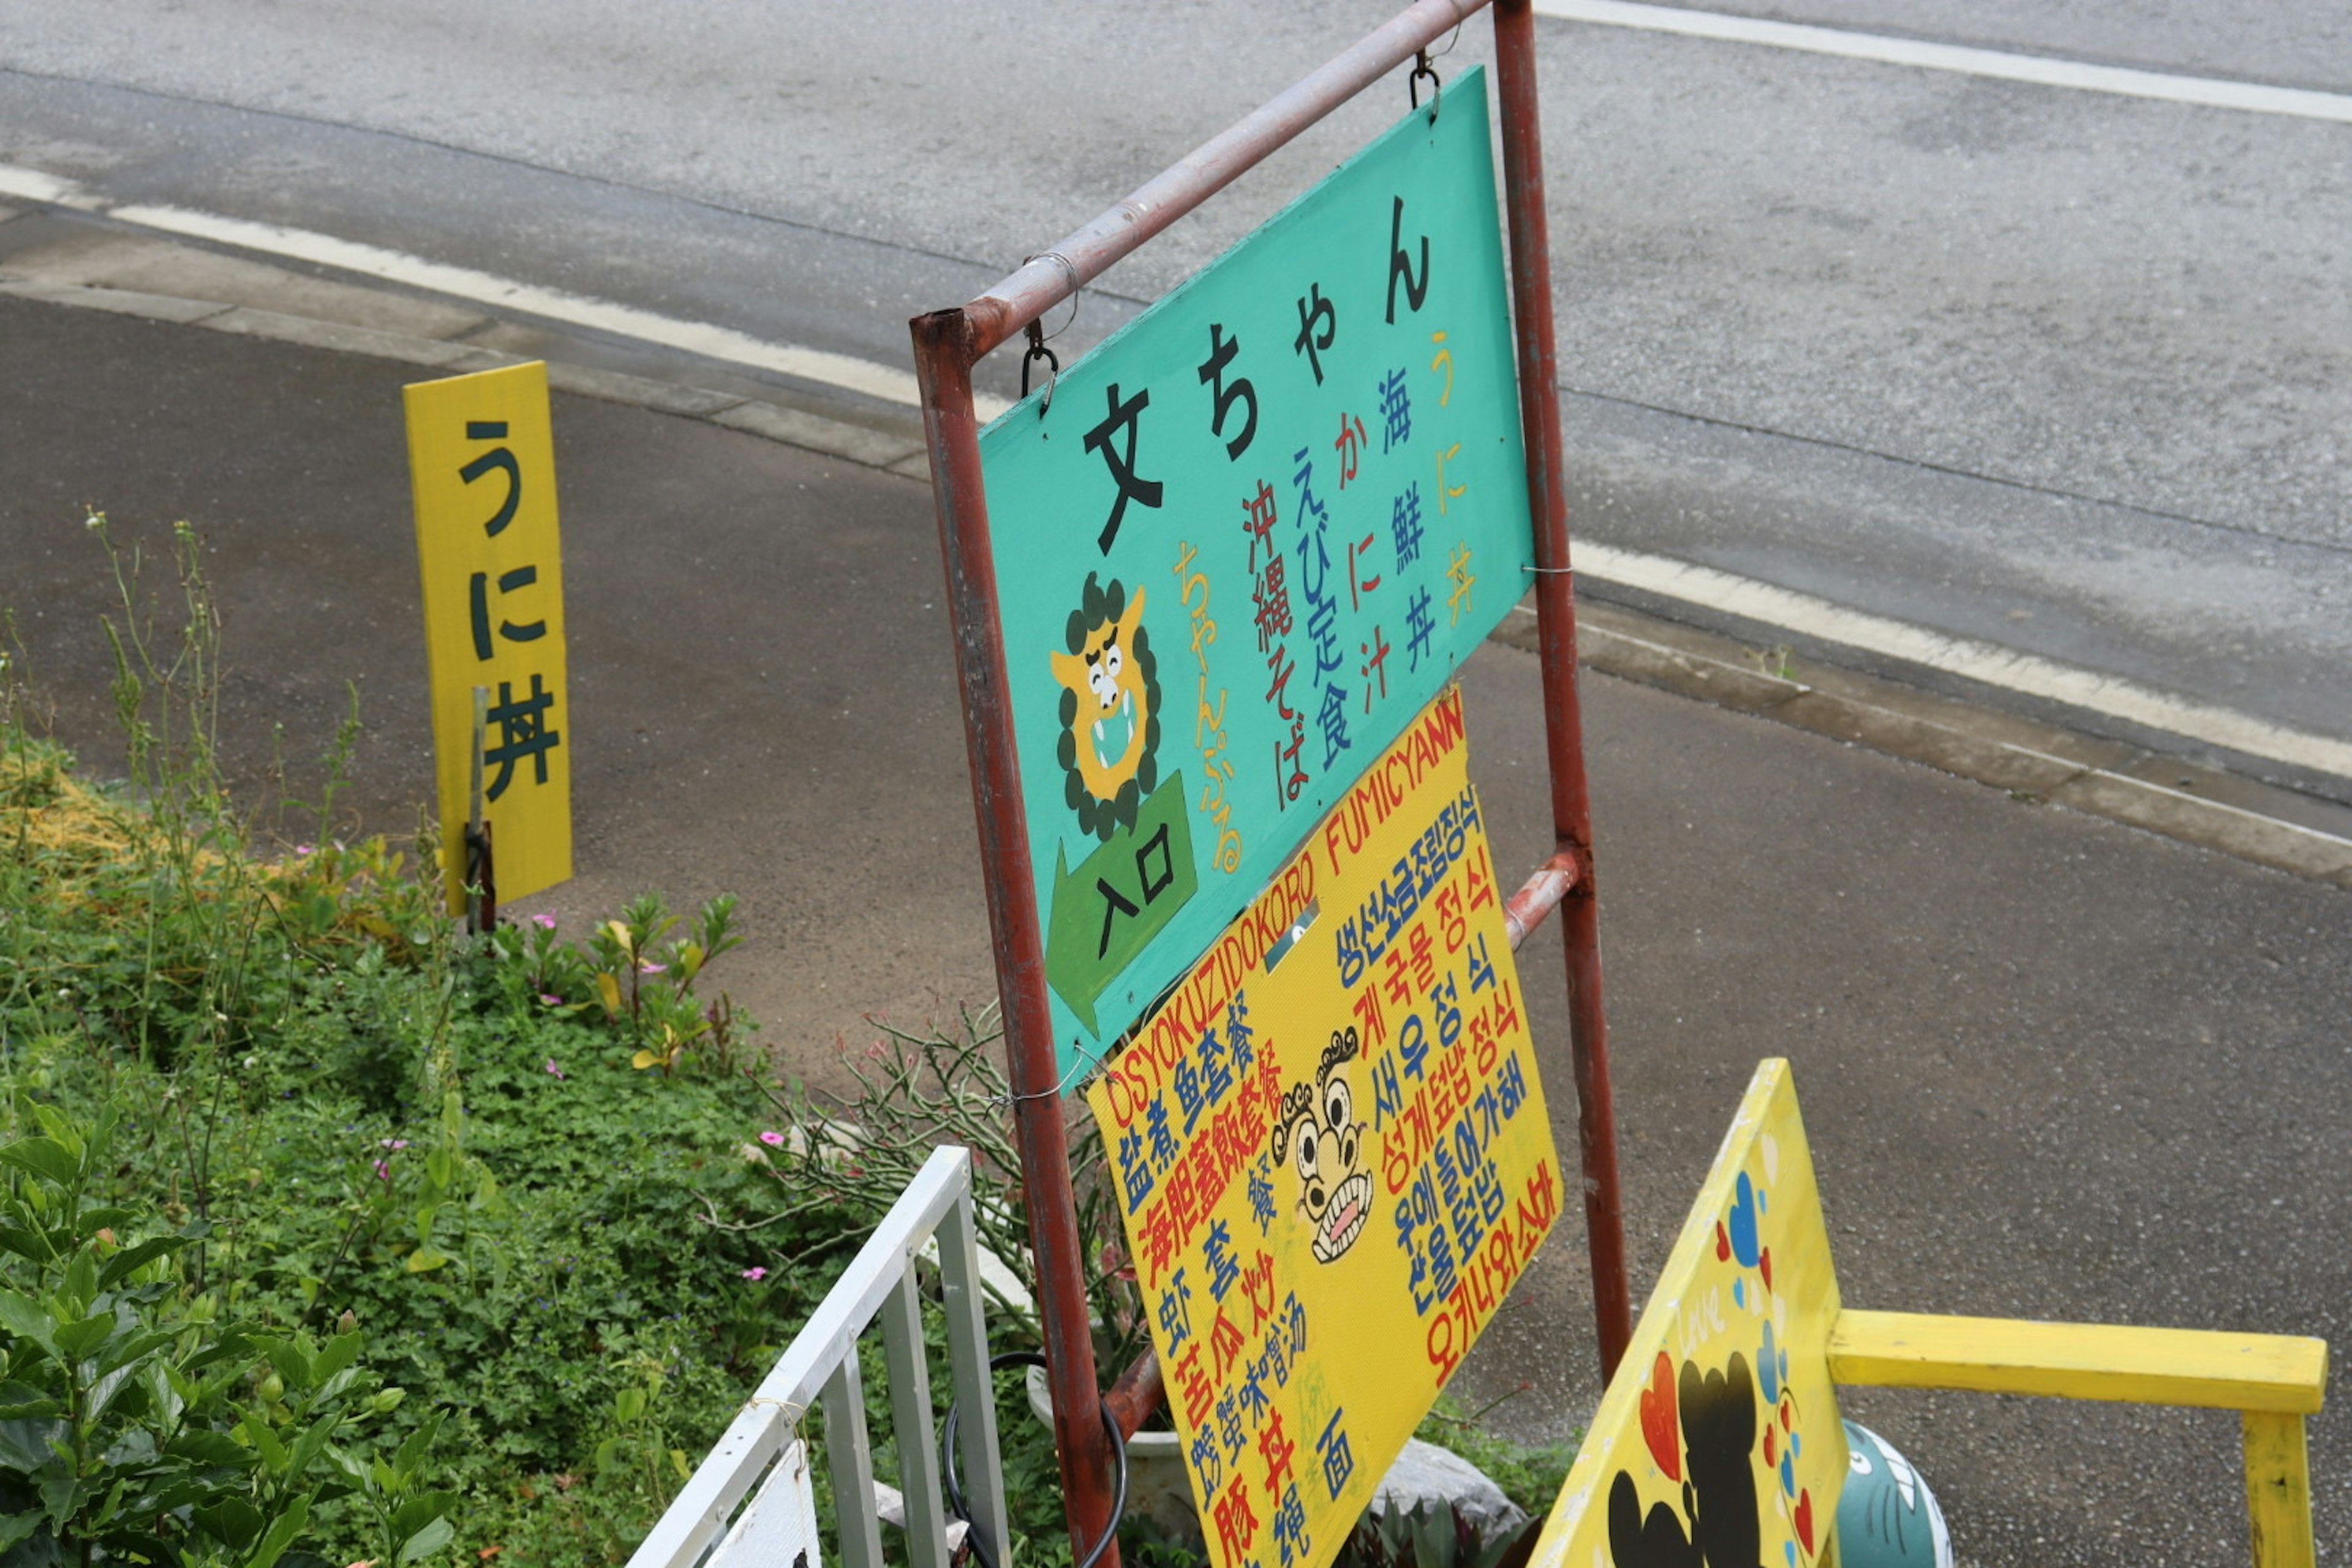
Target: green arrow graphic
{"points": [[1119, 898]]}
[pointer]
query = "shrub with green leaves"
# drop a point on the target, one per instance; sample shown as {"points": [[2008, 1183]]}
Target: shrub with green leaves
{"points": [[346, 1116], [139, 1422]]}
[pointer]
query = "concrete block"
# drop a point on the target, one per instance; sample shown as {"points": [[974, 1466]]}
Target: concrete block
{"points": [[114, 302], [341, 338], [2265, 840], [1425, 1473], [797, 429]]}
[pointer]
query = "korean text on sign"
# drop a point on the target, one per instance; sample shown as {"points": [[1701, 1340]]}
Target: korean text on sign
{"points": [[1332, 1172], [482, 465]]}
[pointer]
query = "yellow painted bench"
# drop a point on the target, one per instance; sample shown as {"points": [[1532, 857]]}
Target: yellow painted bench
{"points": [[1720, 1437]]}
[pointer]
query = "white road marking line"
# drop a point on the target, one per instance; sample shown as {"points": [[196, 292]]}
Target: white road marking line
{"points": [[1801, 613], [32, 185], [882, 382], [2043, 70], [1988, 663]]}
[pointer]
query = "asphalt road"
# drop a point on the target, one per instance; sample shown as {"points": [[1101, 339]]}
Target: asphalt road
{"points": [[2059, 370], [2051, 1067]]}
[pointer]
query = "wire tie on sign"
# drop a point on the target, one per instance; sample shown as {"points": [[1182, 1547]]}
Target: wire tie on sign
{"points": [[1422, 69], [1549, 570], [1038, 351], [1077, 1069]]}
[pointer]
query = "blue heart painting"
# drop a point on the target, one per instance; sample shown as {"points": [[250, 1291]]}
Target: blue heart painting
{"points": [[1743, 1222]]}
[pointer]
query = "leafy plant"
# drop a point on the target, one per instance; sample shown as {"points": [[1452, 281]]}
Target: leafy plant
{"points": [[410, 1521], [651, 986], [1434, 1535], [638, 1447], [136, 1422]]}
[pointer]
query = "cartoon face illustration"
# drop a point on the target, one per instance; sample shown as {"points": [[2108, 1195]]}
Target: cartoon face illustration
{"points": [[1109, 709], [1318, 1137]]}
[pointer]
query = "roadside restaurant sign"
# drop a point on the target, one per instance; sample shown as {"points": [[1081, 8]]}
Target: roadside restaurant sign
{"points": [[1333, 1155], [1247, 540], [482, 465]]}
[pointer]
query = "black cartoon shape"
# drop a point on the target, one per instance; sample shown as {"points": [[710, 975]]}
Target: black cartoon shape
{"points": [[1656, 1542], [1718, 1430], [1318, 1135]]}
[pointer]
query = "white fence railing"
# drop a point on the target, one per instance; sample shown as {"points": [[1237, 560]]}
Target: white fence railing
{"points": [[763, 1447]]}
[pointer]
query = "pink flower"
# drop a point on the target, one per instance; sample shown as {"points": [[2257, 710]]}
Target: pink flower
{"points": [[544, 922], [554, 1071], [648, 966], [755, 1273], [772, 1138], [383, 1170], [551, 998], [393, 1143]]}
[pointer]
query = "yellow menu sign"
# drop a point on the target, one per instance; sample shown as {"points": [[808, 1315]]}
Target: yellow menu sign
{"points": [[482, 464], [1333, 1156]]}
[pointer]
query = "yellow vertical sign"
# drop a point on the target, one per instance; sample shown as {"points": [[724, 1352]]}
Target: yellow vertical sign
{"points": [[482, 464]]}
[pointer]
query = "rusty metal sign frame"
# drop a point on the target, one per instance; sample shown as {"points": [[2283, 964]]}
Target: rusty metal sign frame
{"points": [[948, 343]]}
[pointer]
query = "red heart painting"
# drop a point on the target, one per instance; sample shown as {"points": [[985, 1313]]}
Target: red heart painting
{"points": [[1768, 1457], [1722, 1242], [1764, 1262], [1660, 1422], [1805, 1519]]}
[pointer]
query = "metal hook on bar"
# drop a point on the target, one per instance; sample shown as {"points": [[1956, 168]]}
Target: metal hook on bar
{"points": [[1421, 69], [1038, 351], [1077, 287]]}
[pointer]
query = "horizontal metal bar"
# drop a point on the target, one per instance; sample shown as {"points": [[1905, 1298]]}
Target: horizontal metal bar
{"points": [[1138, 1392], [1539, 895], [1053, 276], [890, 1508]]}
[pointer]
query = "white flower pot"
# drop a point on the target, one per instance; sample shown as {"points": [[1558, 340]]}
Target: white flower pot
{"points": [[1156, 1483]]}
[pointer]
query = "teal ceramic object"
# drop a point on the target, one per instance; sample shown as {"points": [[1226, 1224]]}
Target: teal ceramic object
{"points": [[1886, 1517]]}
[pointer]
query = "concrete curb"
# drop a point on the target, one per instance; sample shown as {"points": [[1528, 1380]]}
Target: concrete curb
{"points": [[2036, 764]]}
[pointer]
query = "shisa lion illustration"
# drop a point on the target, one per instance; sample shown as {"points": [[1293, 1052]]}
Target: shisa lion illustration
{"points": [[1318, 1135], [1109, 709]]}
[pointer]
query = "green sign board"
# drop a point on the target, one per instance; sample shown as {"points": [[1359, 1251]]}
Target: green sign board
{"points": [[1245, 542]]}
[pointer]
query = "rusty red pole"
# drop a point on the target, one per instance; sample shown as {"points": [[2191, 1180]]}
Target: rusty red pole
{"points": [[944, 354], [1572, 807]]}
